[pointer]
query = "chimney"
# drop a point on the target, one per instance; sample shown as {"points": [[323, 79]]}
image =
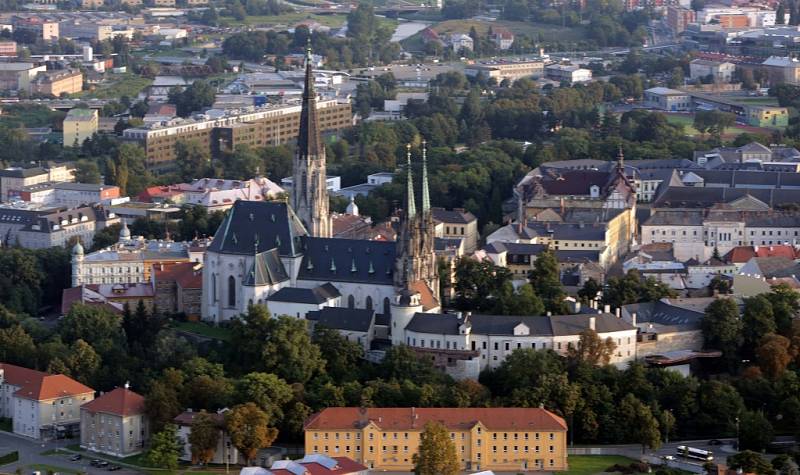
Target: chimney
{"points": [[619, 313], [606, 308], [593, 323], [633, 319]]}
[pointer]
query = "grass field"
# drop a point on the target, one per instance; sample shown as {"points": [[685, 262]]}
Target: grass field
{"points": [[290, 19], [530, 29], [44, 468], [592, 464], [760, 101], [203, 329], [128, 85], [686, 120]]}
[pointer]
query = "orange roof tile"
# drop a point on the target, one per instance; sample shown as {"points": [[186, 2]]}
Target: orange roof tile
{"points": [[742, 254], [120, 402], [426, 296], [41, 386], [407, 418]]}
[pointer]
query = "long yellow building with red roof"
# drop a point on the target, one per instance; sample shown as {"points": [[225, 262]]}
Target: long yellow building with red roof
{"points": [[501, 439]]}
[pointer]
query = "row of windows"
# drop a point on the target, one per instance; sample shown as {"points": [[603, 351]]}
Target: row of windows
{"points": [[404, 435], [396, 448]]}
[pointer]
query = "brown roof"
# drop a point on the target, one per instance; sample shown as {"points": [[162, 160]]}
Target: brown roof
{"points": [[426, 296], [407, 418], [40, 386], [187, 418], [188, 275], [120, 402]]}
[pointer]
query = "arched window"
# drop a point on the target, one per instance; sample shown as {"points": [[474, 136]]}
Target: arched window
{"points": [[351, 302], [369, 302], [213, 287], [387, 306], [231, 291]]}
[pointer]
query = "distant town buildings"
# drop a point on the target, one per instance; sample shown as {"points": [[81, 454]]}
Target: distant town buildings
{"points": [[56, 83], [511, 70], [17, 178], [79, 125]]}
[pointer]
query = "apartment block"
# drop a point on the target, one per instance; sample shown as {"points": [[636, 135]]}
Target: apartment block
{"points": [[115, 423], [16, 178], [79, 125], [55, 83], [501, 439], [511, 70], [269, 125]]}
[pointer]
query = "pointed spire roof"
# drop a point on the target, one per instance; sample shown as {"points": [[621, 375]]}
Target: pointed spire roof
{"points": [[309, 143], [411, 207], [426, 197], [621, 160]]}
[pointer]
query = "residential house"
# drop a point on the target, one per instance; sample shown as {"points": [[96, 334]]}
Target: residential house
{"points": [[721, 71], [115, 424], [457, 224], [178, 288], [503, 38], [79, 125], [225, 452], [666, 99], [42, 406]]}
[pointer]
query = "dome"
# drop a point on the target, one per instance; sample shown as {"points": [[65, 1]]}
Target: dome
{"points": [[124, 233], [77, 249]]}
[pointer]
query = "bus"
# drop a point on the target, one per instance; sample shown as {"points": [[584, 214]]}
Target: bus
{"points": [[693, 453]]}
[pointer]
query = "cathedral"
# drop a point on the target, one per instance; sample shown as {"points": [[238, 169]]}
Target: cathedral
{"points": [[282, 254]]}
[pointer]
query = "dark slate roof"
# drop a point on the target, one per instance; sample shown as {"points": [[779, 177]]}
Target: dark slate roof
{"points": [[570, 231], [317, 295], [665, 315], [259, 224], [443, 244], [457, 216], [347, 260], [577, 255], [663, 164], [693, 197], [675, 218], [515, 248], [47, 222], [267, 269], [556, 325], [22, 172], [339, 318]]}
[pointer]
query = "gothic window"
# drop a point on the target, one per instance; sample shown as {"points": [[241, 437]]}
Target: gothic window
{"points": [[213, 287], [369, 303], [305, 185], [387, 308], [231, 291], [351, 302]]}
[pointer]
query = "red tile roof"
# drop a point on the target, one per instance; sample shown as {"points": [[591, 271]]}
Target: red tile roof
{"points": [[120, 402], [188, 275], [742, 254], [406, 418], [41, 386]]}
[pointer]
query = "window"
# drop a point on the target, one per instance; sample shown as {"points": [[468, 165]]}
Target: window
{"points": [[351, 302], [231, 291], [369, 303], [387, 306]]}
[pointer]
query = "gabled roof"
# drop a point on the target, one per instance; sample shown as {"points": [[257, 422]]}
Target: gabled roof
{"points": [[120, 402], [409, 418], [261, 225], [316, 295], [742, 254], [40, 386], [267, 269], [555, 325], [457, 216]]}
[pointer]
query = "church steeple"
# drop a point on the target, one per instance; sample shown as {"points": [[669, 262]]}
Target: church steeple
{"points": [[411, 208], [309, 180], [620, 161], [426, 196]]}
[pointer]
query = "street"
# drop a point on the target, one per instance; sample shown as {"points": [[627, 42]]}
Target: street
{"points": [[30, 453]]}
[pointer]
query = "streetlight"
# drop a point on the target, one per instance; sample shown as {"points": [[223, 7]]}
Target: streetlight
{"points": [[737, 432]]}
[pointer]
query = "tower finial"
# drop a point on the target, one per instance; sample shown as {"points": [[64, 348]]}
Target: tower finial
{"points": [[308, 47], [411, 208], [620, 160], [426, 197]]}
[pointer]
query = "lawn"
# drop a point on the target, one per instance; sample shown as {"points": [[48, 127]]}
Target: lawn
{"points": [[530, 29], [203, 329], [290, 19], [686, 120], [759, 101], [591, 464], [50, 468], [128, 85]]}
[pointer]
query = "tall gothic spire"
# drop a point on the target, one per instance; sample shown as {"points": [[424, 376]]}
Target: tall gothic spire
{"points": [[309, 187], [308, 141], [411, 208], [426, 197]]}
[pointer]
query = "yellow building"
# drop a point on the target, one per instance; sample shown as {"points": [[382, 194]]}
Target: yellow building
{"points": [[55, 83], [79, 125], [501, 439]]}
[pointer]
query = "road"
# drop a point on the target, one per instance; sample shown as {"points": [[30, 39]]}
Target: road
{"points": [[30, 452]]}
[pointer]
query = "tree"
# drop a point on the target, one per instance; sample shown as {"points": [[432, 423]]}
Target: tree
{"points": [[87, 171], [589, 291], [720, 285], [780, 14], [162, 403], [750, 462], [267, 391], [546, 281], [289, 352], [437, 453], [342, 356], [774, 354], [676, 78], [755, 431], [591, 349], [478, 283], [642, 426], [192, 158], [198, 95], [722, 328], [83, 362], [248, 427], [17, 346], [758, 320], [165, 448], [204, 437]]}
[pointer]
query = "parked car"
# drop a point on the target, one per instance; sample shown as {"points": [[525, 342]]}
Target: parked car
{"points": [[95, 463], [75, 457], [103, 464], [113, 468], [714, 442]]}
